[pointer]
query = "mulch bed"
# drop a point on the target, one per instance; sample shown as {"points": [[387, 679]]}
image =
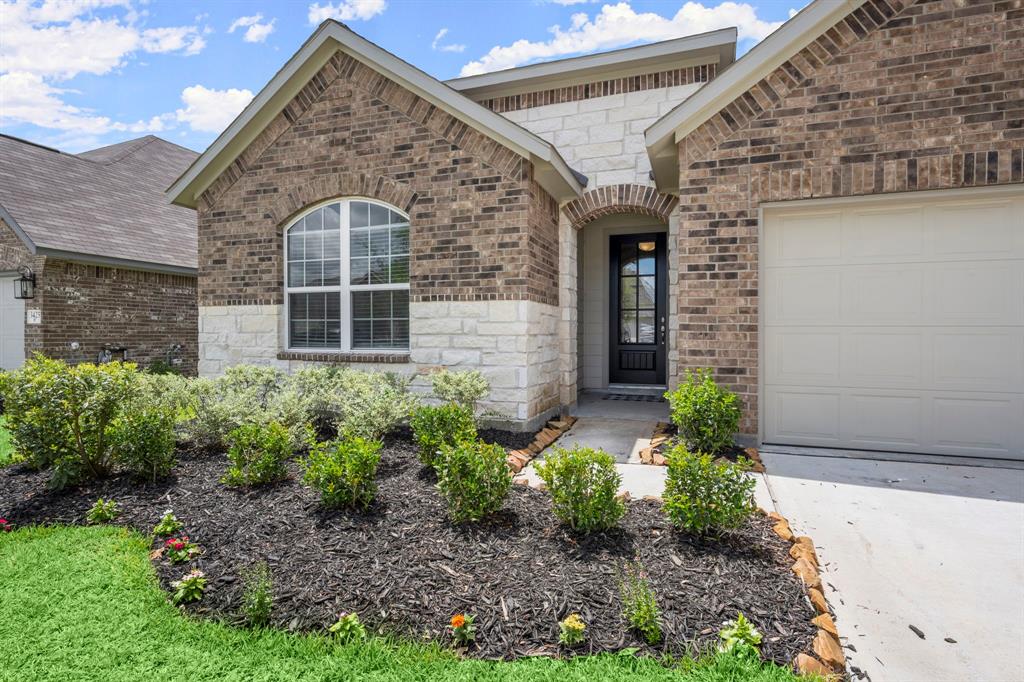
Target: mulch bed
{"points": [[405, 569]]}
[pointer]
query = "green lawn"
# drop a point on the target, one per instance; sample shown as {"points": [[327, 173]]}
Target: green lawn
{"points": [[83, 603], [5, 445]]}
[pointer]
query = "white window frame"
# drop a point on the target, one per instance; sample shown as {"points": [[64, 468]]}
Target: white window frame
{"points": [[344, 289]]}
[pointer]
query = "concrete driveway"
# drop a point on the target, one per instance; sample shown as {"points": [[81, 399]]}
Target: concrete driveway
{"points": [[937, 547]]}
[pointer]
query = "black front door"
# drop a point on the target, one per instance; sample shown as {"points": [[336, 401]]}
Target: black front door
{"points": [[639, 297]]}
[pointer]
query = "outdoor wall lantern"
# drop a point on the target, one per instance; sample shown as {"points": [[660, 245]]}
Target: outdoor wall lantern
{"points": [[25, 286]]}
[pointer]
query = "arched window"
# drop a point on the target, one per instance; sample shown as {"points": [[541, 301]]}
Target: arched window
{"points": [[347, 279]]}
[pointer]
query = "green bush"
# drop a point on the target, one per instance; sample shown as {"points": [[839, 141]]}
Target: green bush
{"points": [[258, 454], [464, 388], [741, 639], [102, 511], [434, 427], [143, 442], [474, 479], [257, 594], [639, 604], [707, 415], [371, 404], [343, 470], [40, 435], [704, 496], [583, 484]]}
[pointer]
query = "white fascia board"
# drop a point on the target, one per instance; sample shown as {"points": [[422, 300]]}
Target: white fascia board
{"points": [[309, 59], [762, 59]]}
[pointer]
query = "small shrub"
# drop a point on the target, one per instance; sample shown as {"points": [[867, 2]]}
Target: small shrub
{"points": [[344, 470], [639, 605], [433, 427], [258, 454], [348, 628], [474, 479], [583, 484], [143, 442], [707, 415], [102, 511], [161, 366], [741, 639], [572, 630], [167, 525], [180, 550], [257, 594], [372, 404], [465, 388], [463, 630], [703, 496], [189, 588]]}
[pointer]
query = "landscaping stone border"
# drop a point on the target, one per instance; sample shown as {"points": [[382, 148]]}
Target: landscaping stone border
{"points": [[663, 433], [826, 656], [517, 459]]}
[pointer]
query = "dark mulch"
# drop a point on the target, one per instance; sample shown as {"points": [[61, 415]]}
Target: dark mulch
{"points": [[404, 568], [732, 453]]}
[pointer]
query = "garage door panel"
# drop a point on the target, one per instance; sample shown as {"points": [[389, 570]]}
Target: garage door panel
{"points": [[911, 339], [12, 326]]}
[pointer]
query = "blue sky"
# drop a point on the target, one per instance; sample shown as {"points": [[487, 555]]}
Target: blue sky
{"points": [[78, 74]]}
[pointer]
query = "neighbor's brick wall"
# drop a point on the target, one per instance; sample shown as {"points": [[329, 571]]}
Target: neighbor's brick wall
{"points": [[474, 208], [898, 96]]}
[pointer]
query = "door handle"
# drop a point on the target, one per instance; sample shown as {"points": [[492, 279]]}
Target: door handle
{"points": [[662, 329]]}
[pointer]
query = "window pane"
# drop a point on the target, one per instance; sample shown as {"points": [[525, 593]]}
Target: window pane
{"points": [[359, 243], [361, 304], [646, 328], [380, 319], [627, 259], [359, 214], [332, 217], [401, 334], [378, 215], [647, 292], [647, 265], [400, 304], [627, 327], [396, 218], [379, 241], [400, 239], [332, 273], [315, 221], [332, 245], [297, 306], [379, 270], [400, 270], [296, 274], [314, 274], [298, 335], [314, 246], [295, 242], [315, 320], [361, 334], [316, 305], [381, 305], [360, 269], [627, 293]]}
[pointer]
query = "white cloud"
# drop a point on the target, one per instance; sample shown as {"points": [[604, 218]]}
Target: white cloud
{"points": [[46, 44], [256, 30], [210, 111], [450, 47], [345, 10], [619, 25]]}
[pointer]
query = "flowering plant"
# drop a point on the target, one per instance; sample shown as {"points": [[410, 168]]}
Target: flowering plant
{"points": [[5, 526], [189, 588], [180, 549], [571, 630], [463, 629], [168, 524], [103, 511], [740, 638], [348, 628]]}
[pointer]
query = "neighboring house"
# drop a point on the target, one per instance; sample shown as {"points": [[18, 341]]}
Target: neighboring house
{"points": [[360, 211], [114, 263]]}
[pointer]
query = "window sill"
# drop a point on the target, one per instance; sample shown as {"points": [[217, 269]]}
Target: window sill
{"points": [[369, 356]]}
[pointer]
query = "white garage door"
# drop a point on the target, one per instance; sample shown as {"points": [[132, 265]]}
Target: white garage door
{"points": [[12, 326], [896, 323]]}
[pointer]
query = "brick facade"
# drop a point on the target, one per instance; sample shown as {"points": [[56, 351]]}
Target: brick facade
{"points": [[615, 199], [897, 96], [482, 229], [145, 312]]}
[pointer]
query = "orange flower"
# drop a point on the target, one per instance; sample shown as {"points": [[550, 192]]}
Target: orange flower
{"points": [[458, 620]]}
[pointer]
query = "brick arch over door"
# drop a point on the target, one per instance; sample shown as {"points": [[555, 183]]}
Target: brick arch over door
{"points": [[613, 199], [335, 185]]}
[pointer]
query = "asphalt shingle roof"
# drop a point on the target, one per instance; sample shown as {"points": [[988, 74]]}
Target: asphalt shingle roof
{"points": [[105, 202]]}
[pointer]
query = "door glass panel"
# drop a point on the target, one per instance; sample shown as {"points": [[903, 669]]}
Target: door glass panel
{"points": [[627, 259], [627, 293], [627, 326], [646, 327], [646, 292], [647, 264]]}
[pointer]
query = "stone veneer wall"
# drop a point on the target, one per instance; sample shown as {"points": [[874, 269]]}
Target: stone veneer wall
{"points": [[484, 239], [897, 96]]}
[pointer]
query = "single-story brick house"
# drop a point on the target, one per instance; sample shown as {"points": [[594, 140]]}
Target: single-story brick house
{"points": [[834, 223], [114, 264]]}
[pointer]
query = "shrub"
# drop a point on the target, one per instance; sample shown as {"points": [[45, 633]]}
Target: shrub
{"points": [[167, 525], [741, 639], [258, 454], [257, 594], [704, 496], [343, 470], [571, 630], [372, 404], [143, 442], [162, 366], [189, 588], [102, 511], [181, 549], [583, 484], [348, 628], [474, 478], [465, 388], [171, 392], [463, 630], [639, 605], [707, 415], [39, 435], [433, 427]]}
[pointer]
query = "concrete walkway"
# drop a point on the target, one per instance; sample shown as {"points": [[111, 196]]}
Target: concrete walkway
{"points": [[937, 547]]}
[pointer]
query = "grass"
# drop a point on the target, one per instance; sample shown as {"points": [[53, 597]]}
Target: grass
{"points": [[6, 449], [83, 603]]}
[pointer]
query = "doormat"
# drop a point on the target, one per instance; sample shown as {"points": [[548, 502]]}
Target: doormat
{"points": [[634, 398]]}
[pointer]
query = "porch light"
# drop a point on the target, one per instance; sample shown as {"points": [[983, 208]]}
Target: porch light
{"points": [[646, 247], [25, 286]]}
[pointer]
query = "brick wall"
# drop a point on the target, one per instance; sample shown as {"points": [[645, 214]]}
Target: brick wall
{"points": [[470, 200], [897, 96]]}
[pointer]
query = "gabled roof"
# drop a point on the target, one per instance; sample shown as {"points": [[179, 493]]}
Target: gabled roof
{"points": [[550, 170], [103, 206], [665, 134]]}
